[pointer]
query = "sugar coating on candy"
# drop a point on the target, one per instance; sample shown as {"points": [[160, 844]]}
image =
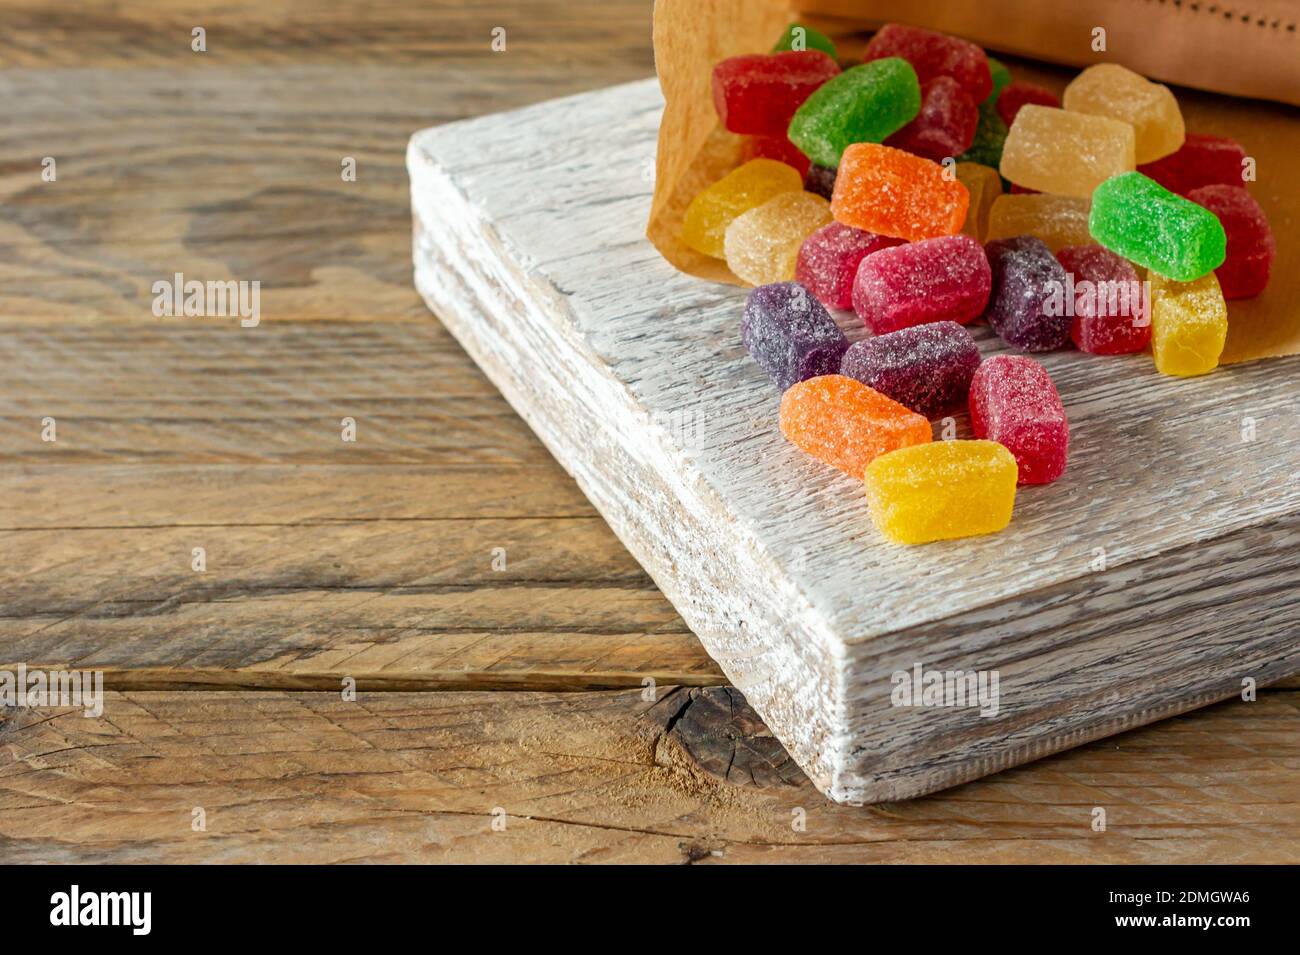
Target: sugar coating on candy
{"points": [[892, 192], [1058, 220], [942, 279], [1001, 77], [1189, 324], [1014, 402], [934, 54], [1248, 258], [758, 93], [800, 37], [1111, 315], [984, 185], [820, 181], [944, 127], [713, 209], [775, 147], [1108, 89], [762, 245], [1069, 154], [1202, 160], [1025, 275], [829, 258], [790, 335], [928, 368], [990, 136], [1141, 220], [864, 104], [845, 424], [1017, 95], [941, 491]]}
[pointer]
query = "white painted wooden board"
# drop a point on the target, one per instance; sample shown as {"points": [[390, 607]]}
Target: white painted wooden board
{"points": [[529, 247]]}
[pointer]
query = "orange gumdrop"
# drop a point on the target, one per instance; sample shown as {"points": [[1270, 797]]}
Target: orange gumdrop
{"points": [[891, 192], [847, 425]]}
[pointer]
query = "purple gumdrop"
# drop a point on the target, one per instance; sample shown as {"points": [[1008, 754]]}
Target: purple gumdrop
{"points": [[928, 367], [1025, 276], [820, 180], [790, 334]]}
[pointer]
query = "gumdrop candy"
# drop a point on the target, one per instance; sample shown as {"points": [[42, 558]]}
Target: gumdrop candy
{"points": [[864, 104], [1057, 220], [1014, 402], [944, 127], [1189, 324], [1202, 160], [1108, 89], [891, 192], [1017, 95], [713, 209], [820, 181], [829, 259], [1069, 154], [1025, 275], [932, 55], [1111, 316], [1248, 258], [757, 94], [1001, 77], [984, 185], [762, 245], [790, 335], [990, 136], [1141, 220], [943, 279], [845, 424], [800, 37], [1019, 190], [928, 368], [941, 491], [775, 147]]}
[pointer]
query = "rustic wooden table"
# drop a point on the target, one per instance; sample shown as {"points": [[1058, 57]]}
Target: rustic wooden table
{"points": [[499, 637]]}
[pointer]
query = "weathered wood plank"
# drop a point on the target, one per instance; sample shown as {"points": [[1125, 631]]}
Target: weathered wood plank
{"points": [[603, 777], [1097, 609]]}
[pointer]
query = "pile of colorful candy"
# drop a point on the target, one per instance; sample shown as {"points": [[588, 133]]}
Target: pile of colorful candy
{"points": [[879, 187]]}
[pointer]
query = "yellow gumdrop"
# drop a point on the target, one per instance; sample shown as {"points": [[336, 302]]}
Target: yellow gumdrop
{"points": [[762, 245], [738, 191], [984, 185], [1189, 324], [1059, 221], [941, 490]]}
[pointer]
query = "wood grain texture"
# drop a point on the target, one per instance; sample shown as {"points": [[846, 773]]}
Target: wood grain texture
{"points": [[603, 777], [1097, 610]]}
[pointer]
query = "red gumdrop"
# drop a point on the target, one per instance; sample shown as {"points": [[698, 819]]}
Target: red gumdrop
{"points": [[1014, 402], [775, 147], [1251, 247], [942, 279], [934, 54], [944, 127], [1016, 95], [1110, 310], [829, 259], [1202, 160], [756, 94]]}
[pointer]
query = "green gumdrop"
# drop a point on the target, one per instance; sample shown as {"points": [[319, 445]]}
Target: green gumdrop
{"points": [[864, 104], [1136, 217], [990, 135], [811, 40], [1001, 77]]}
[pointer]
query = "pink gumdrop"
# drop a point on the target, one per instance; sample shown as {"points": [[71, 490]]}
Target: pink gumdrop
{"points": [[934, 280], [934, 54], [1251, 247], [1014, 402], [1202, 160], [1016, 95], [1110, 305], [829, 259]]}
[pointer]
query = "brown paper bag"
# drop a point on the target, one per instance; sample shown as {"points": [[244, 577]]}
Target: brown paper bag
{"points": [[1249, 64]]}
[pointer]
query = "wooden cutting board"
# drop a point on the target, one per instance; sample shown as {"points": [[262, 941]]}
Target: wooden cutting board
{"points": [[1161, 573]]}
